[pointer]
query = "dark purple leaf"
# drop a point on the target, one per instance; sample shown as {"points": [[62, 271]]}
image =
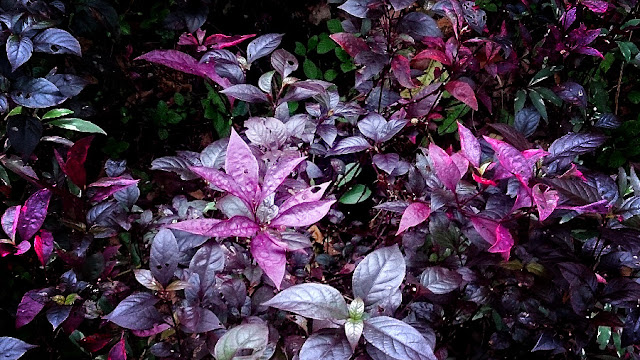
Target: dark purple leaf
{"points": [[57, 314], [548, 342], [136, 312], [440, 280], [164, 257], [629, 208], [315, 301], [31, 304], [379, 275], [250, 336], [401, 4], [386, 162], [12, 348], [33, 213], [402, 71], [396, 339], [56, 41], [43, 246], [24, 133], [246, 92], [574, 144], [397, 207], [463, 92], [195, 319], [597, 6], [572, 93], [512, 136], [326, 345], [36, 93], [419, 26], [206, 262], [262, 46], [379, 98], [350, 145], [350, 43], [105, 187], [415, 214], [623, 292], [19, 50], [118, 351], [304, 214], [68, 84], [270, 256], [526, 121], [357, 8], [608, 121], [446, 171]]}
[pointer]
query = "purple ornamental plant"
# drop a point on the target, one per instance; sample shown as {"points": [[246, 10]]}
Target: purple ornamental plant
{"points": [[251, 208]]}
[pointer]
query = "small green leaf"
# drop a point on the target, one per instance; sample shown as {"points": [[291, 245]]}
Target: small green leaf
{"points": [[56, 113], [325, 44], [163, 134], [540, 76], [627, 49], [351, 170], [330, 75], [549, 95], [79, 125], [356, 194], [539, 104], [334, 26], [311, 70], [312, 43], [634, 97], [4, 177], [347, 66], [300, 49], [342, 55], [15, 111], [632, 22], [518, 103], [606, 63], [604, 334], [178, 99]]}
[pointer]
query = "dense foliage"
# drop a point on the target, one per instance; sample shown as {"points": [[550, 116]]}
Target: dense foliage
{"points": [[421, 180]]}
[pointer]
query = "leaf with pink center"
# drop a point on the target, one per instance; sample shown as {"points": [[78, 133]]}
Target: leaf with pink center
{"points": [[504, 242], [470, 145], [118, 351], [270, 256], [444, 167], [220, 41], [236, 226], [415, 214], [105, 187], [242, 166], [33, 213], [43, 245], [312, 193], [546, 200], [304, 214], [350, 43], [222, 181], [511, 159], [10, 221], [485, 227], [277, 173], [463, 92]]}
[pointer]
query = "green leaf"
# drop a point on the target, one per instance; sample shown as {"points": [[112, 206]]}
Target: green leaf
{"points": [[539, 104], [325, 44], [549, 95], [15, 111], [56, 113], [312, 43], [311, 70], [356, 194], [178, 99], [342, 55], [606, 63], [518, 103], [300, 49], [604, 334], [634, 97], [347, 66], [627, 49], [79, 125], [163, 134], [350, 171], [4, 177], [334, 26], [540, 76], [632, 22], [448, 125], [330, 75]]}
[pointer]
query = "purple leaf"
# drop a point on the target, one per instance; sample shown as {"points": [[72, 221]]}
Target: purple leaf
{"points": [[284, 62], [419, 26], [504, 242], [526, 121], [597, 6], [231, 205], [31, 304], [386, 162], [57, 314], [206, 262], [440, 280], [36, 93], [376, 128], [214, 154], [326, 345], [105, 187], [350, 145], [312, 193], [379, 275], [446, 171], [236, 226], [156, 329], [511, 159], [68, 84], [10, 221], [402, 71], [246, 92], [242, 166], [164, 257], [56, 41], [180, 61], [629, 208], [572, 93], [178, 164], [23, 247], [608, 121], [195, 319], [249, 336], [43, 246], [266, 131], [315, 301], [12, 348], [33, 213], [24, 133], [118, 351], [357, 8], [546, 200], [270, 257], [19, 50], [222, 181], [401, 4], [220, 41], [463, 92], [263, 46], [351, 44], [304, 214], [277, 173], [397, 339], [574, 144], [415, 214], [136, 312], [146, 279]]}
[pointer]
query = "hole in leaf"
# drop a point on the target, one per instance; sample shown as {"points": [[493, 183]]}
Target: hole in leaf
{"points": [[315, 189], [159, 267], [54, 48]]}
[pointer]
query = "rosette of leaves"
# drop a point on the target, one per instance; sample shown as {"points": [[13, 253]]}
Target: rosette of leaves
{"points": [[251, 207], [376, 289]]}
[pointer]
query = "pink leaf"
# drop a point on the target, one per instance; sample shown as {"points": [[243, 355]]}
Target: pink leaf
{"points": [[414, 214], [511, 159], [587, 50], [533, 155], [33, 213], [118, 351], [236, 226], [43, 246], [105, 187], [470, 145], [180, 61], [504, 242], [10, 221], [546, 200], [276, 173], [76, 156], [270, 256], [463, 92], [523, 197], [349, 43], [312, 193], [222, 181], [495, 234], [597, 6], [95, 342], [304, 214], [433, 54], [219, 41], [460, 162], [444, 167], [242, 166], [485, 227], [23, 247], [402, 71]]}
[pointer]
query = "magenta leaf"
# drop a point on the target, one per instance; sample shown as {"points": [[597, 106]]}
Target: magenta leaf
{"points": [[270, 256], [105, 187], [444, 167], [415, 214], [43, 246], [180, 61], [242, 166], [304, 214], [386, 162], [220, 41], [460, 162], [136, 312], [10, 221], [12, 348], [31, 304], [463, 92], [511, 159], [246, 92], [276, 173], [350, 43], [236, 226], [33, 213], [222, 181], [164, 257], [118, 351], [315, 301], [486, 228], [350, 145], [23, 247], [402, 71], [312, 193], [546, 200], [597, 6], [470, 145], [195, 319], [504, 242], [76, 156], [433, 54]]}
